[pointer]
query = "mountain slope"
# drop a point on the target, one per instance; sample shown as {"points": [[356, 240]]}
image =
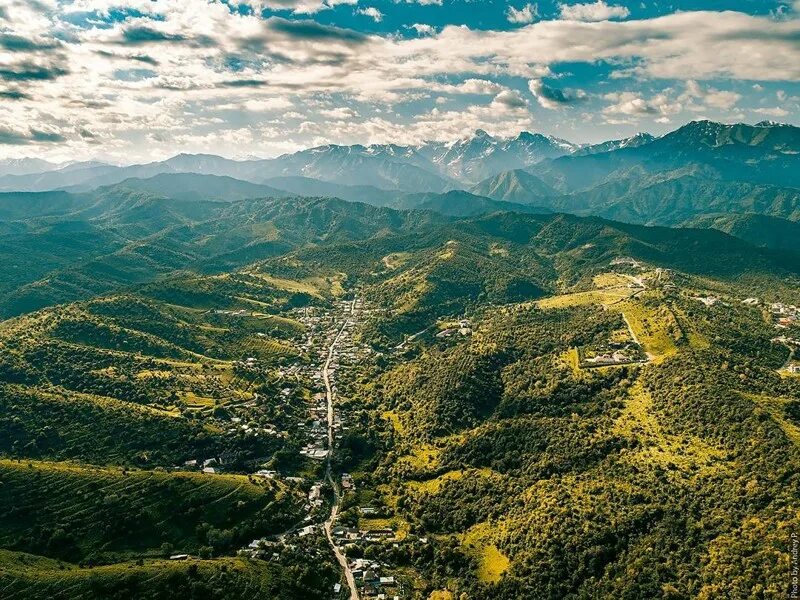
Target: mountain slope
{"points": [[457, 203], [514, 186], [193, 186], [759, 230]]}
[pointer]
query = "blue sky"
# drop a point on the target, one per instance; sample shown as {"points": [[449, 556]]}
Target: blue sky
{"points": [[137, 80]]}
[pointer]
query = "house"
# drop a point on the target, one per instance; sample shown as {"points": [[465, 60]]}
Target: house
{"points": [[708, 300], [179, 557], [337, 587], [795, 368], [386, 580], [308, 530], [209, 470]]}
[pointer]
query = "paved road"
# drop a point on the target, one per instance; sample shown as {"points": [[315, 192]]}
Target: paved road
{"points": [[337, 494]]}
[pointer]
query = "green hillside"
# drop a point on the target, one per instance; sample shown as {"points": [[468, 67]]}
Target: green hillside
{"points": [[123, 237], [540, 477], [759, 230], [531, 405], [24, 576], [53, 509]]}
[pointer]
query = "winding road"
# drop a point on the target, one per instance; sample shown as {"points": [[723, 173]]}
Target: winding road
{"points": [[337, 494]]}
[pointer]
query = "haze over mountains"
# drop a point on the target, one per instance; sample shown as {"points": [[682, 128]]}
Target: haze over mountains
{"points": [[699, 169]]}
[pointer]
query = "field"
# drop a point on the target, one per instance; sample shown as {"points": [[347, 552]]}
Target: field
{"points": [[24, 576], [492, 563], [53, 509]]}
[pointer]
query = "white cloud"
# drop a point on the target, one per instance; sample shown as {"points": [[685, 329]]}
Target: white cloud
{"points": [[511, 100], [777, 111], [708, 97], [339, 113], [527, 14], [694, 98], [267, 104], [634, 105], [423, 29], [483, 87], [371, 12], [597, 11], [303, 7]]}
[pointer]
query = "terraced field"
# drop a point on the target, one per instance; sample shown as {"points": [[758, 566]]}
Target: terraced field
{"points": [[24, 577], [54, 509]]}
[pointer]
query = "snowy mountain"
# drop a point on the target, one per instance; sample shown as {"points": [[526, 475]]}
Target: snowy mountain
{"points": [[478, 157]]}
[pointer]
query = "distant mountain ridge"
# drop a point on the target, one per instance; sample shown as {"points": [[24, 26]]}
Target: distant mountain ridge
{"points": [[429, 167], [701, 168]]}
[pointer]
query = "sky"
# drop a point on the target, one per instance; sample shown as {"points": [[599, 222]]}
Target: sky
{"points": [[140, 80]]}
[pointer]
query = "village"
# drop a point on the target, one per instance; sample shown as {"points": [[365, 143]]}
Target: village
{"points": [[328, 345], [784, 317]]}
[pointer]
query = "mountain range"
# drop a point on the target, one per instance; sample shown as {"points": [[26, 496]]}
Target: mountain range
{"points": [[703, 168]]}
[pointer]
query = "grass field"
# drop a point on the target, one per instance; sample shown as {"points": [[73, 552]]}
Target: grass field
{"points": [[654, 328], [598, 297], [656, 447], [432, 486], [477, 542]]}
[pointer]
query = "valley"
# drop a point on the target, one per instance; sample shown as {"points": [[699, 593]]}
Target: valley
{"points": [[207, 394]]}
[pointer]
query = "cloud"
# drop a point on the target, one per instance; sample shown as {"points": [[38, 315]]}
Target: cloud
{"points": [[313, 31], [707, 97], [423, 29], [14, 95], [371, 12], [597, 11], [18, 43], [527, 14], [339, 113], [634, 105], [146, 35], [483, 87], [694, 98], [16, 137], [777, 111], [27, 71], [511, 99], [303, 7], [62, 69], [553, 98]]}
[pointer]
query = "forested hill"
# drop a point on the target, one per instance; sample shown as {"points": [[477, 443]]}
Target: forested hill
{"points": [[59, 247], [532, 403]]}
